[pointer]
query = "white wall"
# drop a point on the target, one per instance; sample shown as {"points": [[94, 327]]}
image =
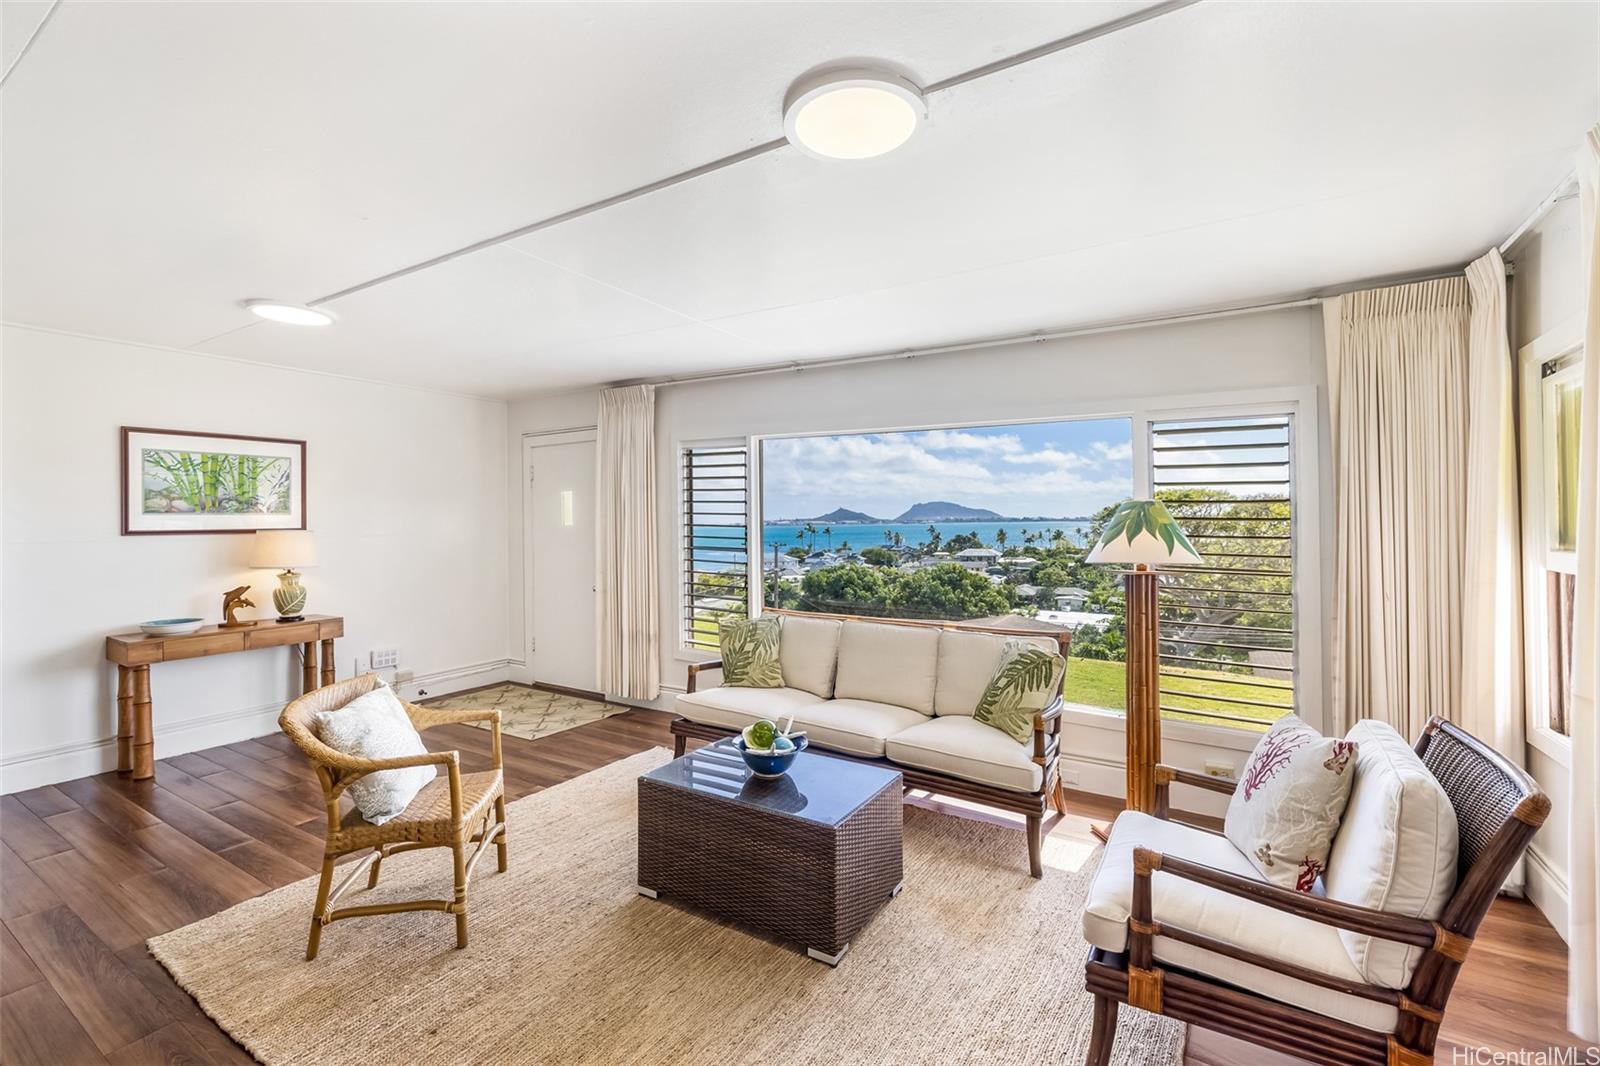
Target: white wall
{"points": [[1081, 376], [406, 494], [1546, 290]]}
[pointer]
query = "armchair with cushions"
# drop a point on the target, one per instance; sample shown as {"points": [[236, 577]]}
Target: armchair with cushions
{"points": [[1180, 923]]}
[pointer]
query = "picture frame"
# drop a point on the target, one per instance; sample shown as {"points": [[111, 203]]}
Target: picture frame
{"points": [[187, 482]]}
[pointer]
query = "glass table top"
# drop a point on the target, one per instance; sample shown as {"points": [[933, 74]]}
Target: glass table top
{"points": [[816, 788]]}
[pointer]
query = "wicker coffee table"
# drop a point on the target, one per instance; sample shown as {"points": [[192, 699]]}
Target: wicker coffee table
{"points": [[808, 858]]}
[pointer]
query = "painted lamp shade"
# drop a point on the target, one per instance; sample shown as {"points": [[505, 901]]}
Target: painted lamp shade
{"points": [[287, 550], [1143, 533]]}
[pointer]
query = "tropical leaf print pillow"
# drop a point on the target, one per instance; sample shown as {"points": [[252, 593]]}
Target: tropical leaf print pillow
{"points": [[1025, 683], [1289, 802], [750, 652]]}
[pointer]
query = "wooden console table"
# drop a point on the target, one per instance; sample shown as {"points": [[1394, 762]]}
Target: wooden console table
{"points": [[134, 652]]}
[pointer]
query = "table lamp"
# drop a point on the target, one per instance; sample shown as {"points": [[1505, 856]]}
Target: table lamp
{"points": [[1141, 532], [286, 550]]}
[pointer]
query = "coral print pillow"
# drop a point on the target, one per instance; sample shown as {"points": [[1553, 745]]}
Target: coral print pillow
{"points": [[1286, 810]]}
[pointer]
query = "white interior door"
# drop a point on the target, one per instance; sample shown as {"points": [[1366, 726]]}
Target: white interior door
{"points": [[560, 567]]}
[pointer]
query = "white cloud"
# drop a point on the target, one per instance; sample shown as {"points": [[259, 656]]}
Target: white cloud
{"points": [[1113, 452], [883, 474], [955, 440]]}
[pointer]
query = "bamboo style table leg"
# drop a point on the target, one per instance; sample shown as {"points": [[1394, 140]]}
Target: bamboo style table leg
{"points": [[144, 755], [308, 666], [124, 720], [327, 661]]}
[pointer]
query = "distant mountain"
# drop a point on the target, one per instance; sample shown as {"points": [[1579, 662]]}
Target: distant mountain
{"points": [[843, 515], [945, 511]]}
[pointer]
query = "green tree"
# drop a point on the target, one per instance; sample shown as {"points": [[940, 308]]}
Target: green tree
{"points": [[827, 531], [933, 537], [961, 542], [796, 552], [876, 556], [850, 589], [947, 591], [1000, 538]]}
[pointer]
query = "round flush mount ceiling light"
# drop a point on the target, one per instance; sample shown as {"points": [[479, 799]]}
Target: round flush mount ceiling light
{"points": [[852, 114], [289, 314]]}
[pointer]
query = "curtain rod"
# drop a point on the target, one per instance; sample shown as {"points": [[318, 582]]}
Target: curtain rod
{"points": [[1562, 191], [972, 345], [794, 365]]}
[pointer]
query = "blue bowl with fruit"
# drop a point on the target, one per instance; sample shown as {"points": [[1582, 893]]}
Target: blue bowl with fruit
{"points": [[768, 750]]}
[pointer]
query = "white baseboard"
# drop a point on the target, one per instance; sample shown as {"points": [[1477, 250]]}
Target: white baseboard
{"points": [[46, 766], [1547, 890]]}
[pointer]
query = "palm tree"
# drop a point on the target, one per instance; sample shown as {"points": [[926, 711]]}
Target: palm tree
{"points": [[844, 545], [800, 536], [811, 531], [933, 537], [827, 531], [888, 536], [1000, 537]]}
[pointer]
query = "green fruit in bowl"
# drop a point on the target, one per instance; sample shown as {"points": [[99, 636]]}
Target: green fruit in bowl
{"points": [[759, 737]]}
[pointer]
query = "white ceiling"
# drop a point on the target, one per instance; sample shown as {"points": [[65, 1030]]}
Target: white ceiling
{"points": [[164, 161]]}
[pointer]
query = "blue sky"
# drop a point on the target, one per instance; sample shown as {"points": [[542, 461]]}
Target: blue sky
{"points": [[1053, 469]]}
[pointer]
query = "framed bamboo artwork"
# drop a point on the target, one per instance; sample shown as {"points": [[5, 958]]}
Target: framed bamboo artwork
{"points": [[189, 482]]}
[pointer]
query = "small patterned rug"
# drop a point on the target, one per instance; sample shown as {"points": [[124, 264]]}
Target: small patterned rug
{"points": [[530, 712]]}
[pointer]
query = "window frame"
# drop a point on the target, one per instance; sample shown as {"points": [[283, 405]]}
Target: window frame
{"points": [[1533, 446], [683, 650], [1305, 404]]}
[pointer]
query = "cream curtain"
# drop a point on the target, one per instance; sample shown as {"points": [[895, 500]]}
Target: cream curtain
{"points": [[629, 615], [1491, 707], [1398, 386], [1583, 874]]}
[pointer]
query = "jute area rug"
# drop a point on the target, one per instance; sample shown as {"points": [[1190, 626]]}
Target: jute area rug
{"points": [[530, 712], [975, 962]]}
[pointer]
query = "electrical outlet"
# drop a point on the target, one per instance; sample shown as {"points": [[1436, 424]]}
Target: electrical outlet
{"points": [[1219, 768], [385, 657]]}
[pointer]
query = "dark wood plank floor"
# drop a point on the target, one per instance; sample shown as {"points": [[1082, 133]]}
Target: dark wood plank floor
{"points": [[91, 868]]}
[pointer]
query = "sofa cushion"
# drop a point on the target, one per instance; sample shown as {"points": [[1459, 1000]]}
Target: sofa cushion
{"points": [[750, 652], [1286, 810], [968, 749], [968, 660], [888, 664], [735, 708], [1231, 919], [1396, 848], [809, 654], [855, 727]]}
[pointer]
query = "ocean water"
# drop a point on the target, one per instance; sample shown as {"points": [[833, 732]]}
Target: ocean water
{"points": [[866, 536]]}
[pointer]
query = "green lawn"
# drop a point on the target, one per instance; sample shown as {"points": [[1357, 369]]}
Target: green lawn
{"points": [[1101, 683]]}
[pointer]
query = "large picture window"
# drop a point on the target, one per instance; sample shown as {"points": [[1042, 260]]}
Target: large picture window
{"points": [[990, 525], [987, 525]]}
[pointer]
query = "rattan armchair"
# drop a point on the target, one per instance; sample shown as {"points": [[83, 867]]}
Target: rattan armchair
{"points": [[1498, 808], [452, 811]]}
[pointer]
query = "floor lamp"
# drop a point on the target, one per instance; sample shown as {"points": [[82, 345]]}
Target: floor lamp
{"points": [[1142, 533]]}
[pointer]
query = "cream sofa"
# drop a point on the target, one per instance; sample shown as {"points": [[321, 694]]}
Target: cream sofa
{"points": [[902, 693]]}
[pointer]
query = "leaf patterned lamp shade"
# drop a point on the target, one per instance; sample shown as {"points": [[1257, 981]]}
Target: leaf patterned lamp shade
{"points": [[1143, 533]]}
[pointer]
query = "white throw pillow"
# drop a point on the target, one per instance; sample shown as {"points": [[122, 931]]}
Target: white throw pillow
{"points": [[1396, 849], [376, 726], [1286, 810]]}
